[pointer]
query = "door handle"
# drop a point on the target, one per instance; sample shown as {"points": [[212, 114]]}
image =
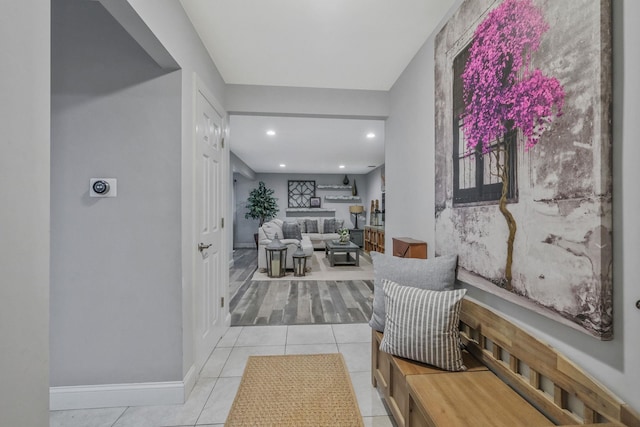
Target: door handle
{"points": [[202, 246]]}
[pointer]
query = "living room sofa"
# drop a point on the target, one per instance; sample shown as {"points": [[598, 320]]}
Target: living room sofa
{"points": [[314, 232], [325, 231], [267, 233]]}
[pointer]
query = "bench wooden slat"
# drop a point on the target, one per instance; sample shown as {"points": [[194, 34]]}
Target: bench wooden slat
{"points": [[559, 397], [629, 417]]}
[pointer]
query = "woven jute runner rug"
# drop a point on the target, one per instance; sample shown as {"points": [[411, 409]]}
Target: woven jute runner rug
{"points": [[295, 390]]}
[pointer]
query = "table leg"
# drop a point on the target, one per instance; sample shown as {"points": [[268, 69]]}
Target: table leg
{"points": [[357, 258]]}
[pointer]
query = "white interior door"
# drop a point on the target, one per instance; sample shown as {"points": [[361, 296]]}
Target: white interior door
{"points": [[210, 263]]}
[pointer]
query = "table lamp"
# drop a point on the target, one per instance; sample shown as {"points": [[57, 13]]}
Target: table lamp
{"points": [[356, 210]]}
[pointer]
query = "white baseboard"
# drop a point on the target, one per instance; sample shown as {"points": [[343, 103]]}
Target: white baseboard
{"points": [[189, 381], [114, 395]]}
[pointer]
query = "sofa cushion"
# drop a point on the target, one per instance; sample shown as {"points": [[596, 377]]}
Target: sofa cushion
{"points": [[435, 274], [291, 230], [422, 325], [329, 225], [272, 229], [303, 225], [311, 225]]}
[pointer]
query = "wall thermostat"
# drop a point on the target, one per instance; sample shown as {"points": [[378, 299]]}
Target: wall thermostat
{"points": [[103, 187]]}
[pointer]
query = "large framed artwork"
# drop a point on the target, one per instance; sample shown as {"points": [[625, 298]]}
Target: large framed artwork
{"points": [[300, 193], [523, 154]]}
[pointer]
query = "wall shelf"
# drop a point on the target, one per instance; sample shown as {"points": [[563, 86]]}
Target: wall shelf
{"points": [[309, 210], [342, 198], [333, 187]]}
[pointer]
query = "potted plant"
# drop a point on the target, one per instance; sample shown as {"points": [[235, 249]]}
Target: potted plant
{"points": [[344, 236], [261, 205]]}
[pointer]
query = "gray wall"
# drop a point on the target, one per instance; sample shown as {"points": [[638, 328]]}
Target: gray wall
{"points": [[374, 191], [410, 176], [409, 152], [24, 215], [116, 270], [171, 26], [245, 99]]}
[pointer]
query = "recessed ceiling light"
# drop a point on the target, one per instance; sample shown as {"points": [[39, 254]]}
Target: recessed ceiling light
{"points": [[271, 132], [371, 135], [341, 166], [282, 165]]}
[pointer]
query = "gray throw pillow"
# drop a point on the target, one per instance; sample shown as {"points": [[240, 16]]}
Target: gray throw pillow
{"points": [[312, 225], [291, 230], [436, 274], [329, 226], [422, 325]]}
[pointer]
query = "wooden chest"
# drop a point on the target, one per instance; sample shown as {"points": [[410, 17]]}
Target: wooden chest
{"points": [[406, 247]]}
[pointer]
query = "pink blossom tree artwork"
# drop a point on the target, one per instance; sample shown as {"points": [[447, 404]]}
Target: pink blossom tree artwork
{"points": [[503, 92]]}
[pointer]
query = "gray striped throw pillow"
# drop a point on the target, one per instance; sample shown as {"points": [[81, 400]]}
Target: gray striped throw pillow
{"points": [[422, 325]]}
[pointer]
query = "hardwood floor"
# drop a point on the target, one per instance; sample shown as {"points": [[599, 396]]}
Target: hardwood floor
{"points": [[294, 302]]}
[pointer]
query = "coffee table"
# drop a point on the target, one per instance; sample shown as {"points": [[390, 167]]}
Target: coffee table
{"points": [[340, 253]]}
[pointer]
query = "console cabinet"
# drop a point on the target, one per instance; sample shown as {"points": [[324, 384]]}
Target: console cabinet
{"points": [[374, 238]]}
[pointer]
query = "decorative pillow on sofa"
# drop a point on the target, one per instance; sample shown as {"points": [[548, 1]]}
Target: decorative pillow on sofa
{"points": [[329, 226], [303, 225], [291, 230], [422, 325], [271, 230], [312, 225], [339, 224], [435, 274]]}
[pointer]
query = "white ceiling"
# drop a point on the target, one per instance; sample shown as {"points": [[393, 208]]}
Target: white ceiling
{"points": [[340, 44], [307, 144]]}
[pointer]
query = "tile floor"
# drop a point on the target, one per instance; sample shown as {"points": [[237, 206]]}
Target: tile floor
{"points": [[211, 399]]}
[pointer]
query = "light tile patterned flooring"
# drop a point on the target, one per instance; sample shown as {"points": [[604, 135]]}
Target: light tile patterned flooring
{"points": [[211, 399]]}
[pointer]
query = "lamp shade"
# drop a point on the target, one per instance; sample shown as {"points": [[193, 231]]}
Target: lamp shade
{"points": [[356, 209]]}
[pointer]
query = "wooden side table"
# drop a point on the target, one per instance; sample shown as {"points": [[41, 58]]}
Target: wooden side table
{"points": [[406, 247]]}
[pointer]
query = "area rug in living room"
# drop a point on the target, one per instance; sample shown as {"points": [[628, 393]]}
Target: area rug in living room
{"points": [[322, 270], [295, 390]]}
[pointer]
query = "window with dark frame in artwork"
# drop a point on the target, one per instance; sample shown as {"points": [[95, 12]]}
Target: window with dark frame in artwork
{"points": [[475, 178]]}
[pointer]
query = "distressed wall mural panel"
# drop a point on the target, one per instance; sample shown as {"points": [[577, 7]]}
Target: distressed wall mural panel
{"points": [[530, 106]]}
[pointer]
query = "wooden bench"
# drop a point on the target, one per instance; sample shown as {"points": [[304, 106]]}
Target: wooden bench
{"points": [[513, 379]]}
